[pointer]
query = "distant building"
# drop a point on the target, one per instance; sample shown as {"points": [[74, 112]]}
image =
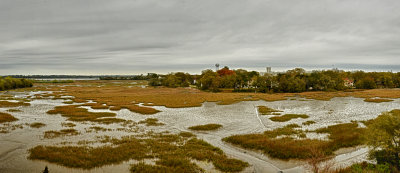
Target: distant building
{"points": [[348, 82], [269, 70]]}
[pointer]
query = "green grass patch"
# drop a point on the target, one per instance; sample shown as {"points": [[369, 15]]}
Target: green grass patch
{"points": [[288, 117], [263, 110], [5, 117], [37, 125], [206, 127]]}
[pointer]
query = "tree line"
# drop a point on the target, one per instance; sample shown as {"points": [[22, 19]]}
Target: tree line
{"points": [[133, 77], [7, 83], [295, 80]]}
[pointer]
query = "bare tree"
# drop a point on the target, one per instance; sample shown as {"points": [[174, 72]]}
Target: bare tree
{"points": [[319, 162]]}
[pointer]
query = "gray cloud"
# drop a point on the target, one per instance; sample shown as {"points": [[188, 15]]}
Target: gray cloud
{"points": [[140, 36]]}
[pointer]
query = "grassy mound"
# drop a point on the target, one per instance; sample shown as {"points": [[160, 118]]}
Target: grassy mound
{"points": [[288, 117], [5, 117], [206, 127]]}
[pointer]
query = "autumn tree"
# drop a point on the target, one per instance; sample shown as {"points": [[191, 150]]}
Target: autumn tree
{"points": [[384, 138]]}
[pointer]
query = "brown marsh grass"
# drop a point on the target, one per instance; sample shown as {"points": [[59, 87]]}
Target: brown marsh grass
{"points": [[288, 130], [307, 123], [288, 117], [37, 125], [173, 152], [5, 117], [206, 127], [96, 106], [340, 136], [69, 124], [151, 122], [124, 95], [14, 110], [7, 127], [263, 110], [97, 129], [74, 113], [141, 167], [5, 104], [64, 132]]}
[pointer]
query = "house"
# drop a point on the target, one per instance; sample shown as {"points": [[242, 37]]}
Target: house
{"points": [[348, 82]]}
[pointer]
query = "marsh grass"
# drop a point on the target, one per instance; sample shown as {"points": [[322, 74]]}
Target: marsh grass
{"points": [[96, 106], [288, 130], [206, 127], [281, 148], [186, 134], [74, 113], [151, 122], [307, 123], [14, 110], [344, 135], [68, 102], [97, 129], [288, 117], [69, 124], [64, 132], [377, 100], [37, 125], [365, 167], [263, 110], [7, 127], [5, 117], [340, 136], [5, 104], [118, 96], [141, 167], [172, 152]]}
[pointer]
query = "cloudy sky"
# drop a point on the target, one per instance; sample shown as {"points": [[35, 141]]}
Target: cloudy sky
{"points": [[140, 36]]}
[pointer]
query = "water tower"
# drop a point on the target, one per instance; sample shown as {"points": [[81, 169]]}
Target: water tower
{"points": [[216, 67], [269, 70]]}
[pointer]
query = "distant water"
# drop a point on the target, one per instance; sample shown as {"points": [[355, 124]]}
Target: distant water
{"points": [[95, 78]]}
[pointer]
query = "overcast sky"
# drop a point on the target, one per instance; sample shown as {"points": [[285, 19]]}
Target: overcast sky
{"points": [[140, 36]]}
